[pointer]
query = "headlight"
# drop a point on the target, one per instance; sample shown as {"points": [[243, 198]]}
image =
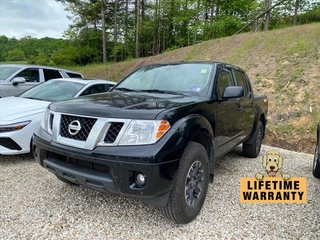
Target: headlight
{"points": [[141, 132], [45, 120], [14, 126]]}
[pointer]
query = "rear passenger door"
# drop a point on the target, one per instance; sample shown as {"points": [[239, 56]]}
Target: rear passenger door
{"points": [[245, 102], [228, 128], [51, 74]]}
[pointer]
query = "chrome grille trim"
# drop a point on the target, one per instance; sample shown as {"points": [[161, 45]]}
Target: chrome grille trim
{"points": [[96, 136], [86, 123]]}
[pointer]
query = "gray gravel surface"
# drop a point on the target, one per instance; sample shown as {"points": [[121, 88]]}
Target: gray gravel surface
{"points": [[36, 205]]}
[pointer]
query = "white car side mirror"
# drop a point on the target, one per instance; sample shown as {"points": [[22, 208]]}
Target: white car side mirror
{"points": [[15, 81]]}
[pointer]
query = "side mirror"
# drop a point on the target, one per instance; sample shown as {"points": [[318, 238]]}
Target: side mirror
{"points": [[233, 92], [15, 81]]}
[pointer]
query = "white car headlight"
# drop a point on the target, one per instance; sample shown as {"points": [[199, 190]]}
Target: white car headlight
{"points": [[45, 120], [141, 132], [14, 126]]}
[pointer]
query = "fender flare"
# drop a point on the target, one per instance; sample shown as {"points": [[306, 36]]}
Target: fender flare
{"points": [[196, 127]]}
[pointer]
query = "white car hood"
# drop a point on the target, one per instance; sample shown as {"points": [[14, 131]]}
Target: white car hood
{"points": [[15, 108]]}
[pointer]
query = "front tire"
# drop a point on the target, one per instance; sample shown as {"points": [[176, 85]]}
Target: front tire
{"points": [[253, 148], [191, 184]]}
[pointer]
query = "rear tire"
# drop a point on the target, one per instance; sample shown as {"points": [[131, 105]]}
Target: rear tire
{"points": [[316, 159], [252, 149], [191, 184]]}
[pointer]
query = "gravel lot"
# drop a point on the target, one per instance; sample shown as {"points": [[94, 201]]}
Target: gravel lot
{"points": [[36, 205]]}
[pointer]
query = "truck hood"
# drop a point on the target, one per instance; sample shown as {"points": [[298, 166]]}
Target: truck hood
{"points": [[123, 105], [15, 108]]}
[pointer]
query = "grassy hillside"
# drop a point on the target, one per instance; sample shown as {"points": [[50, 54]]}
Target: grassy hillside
{"points": [[282, 64]]}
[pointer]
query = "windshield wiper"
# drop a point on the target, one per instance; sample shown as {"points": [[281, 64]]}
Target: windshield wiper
{"points": [[151, 91], [125, 89], [33, 98], [163, 91]]}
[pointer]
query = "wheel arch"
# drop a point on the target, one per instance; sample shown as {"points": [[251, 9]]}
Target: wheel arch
{"points": [[207, 143], [197, 128], [263, 120]]}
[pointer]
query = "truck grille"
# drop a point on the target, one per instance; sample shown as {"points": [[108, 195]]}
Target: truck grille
{"points": [[86, 126], [113, 132]]}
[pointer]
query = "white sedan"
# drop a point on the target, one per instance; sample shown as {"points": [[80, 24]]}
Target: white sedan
{"points": [[20, 115]]}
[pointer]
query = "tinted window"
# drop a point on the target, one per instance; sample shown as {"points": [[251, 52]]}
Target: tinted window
{"points": [[98, 88], [74, 75], [30, 74], [241, 81], [50, 74], [224, 80]]}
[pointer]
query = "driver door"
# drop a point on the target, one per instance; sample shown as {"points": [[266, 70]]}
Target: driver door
{"points": [[32, 77]]}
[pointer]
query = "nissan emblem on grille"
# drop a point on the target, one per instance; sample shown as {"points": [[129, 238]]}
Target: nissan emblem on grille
{"points": [[74, 127]]}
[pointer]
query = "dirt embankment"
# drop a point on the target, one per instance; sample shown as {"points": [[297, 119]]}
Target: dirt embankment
{"points": [[303, 145], [282, 64]]}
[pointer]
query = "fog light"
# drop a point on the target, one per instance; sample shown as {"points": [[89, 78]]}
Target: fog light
{"points": [[140, 179]]}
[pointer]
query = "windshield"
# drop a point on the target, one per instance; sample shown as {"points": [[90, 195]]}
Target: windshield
{"points": [[53, 90], [186, 78], [7, 71]]}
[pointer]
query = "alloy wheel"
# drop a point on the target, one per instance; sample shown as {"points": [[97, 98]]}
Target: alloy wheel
{"points": [[194, 183]]}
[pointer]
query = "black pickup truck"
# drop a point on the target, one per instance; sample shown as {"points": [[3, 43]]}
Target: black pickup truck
{"points": [[156, 135]]}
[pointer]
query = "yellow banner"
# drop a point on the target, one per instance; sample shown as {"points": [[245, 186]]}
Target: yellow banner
{"points": [[273, 190]]}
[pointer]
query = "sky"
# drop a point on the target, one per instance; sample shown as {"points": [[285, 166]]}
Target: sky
{"points": [[35, 18]]}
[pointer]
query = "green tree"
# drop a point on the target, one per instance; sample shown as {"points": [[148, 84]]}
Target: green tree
{"points": [[39, 58], [15, 55], [68, 56], [3, 42], [114, 30]]}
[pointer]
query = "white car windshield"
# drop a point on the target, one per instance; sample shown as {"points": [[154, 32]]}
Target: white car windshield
{"points": [[6, 71], [53, 90], [191, 79]]}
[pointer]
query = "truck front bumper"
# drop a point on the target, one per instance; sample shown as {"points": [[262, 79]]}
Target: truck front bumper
{"points": [[143, 172]]}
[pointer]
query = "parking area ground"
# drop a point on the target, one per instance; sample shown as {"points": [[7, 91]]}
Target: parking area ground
{"points": [[36, 205]]}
